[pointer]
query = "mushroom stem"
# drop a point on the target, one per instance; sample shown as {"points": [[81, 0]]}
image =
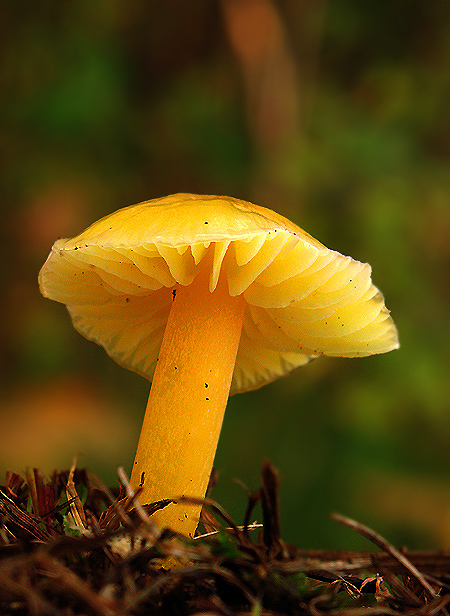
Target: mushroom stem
{"points": [[187, 400]]}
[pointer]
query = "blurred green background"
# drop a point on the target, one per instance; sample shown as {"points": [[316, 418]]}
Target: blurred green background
{"points": [[337, 115]]}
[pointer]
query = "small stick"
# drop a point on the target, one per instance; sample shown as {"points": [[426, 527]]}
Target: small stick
{"points": [[194, 500], [152, 528], [119, 510], [382, 543], [252, 526], [131, 494], [76, 506]]}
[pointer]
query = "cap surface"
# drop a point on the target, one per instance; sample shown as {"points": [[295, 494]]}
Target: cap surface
{"points": [[302, 299]]}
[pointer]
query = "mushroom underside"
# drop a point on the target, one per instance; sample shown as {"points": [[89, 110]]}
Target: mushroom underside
{"points": [[301, 301]]}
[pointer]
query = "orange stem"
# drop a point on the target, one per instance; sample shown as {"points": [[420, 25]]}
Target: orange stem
{"points": [[187, 400]]}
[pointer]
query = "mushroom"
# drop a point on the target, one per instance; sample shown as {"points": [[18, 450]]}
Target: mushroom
{"points": [[208, 296]]}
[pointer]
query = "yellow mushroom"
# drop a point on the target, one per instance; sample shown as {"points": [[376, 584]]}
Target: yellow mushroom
{"points": [[204, 296]]}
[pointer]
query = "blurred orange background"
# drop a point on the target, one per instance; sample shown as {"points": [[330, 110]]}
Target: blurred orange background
{"points": [[335, 115]]}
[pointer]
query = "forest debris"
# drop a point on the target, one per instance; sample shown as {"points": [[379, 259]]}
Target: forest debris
{"points": [[46, 568], [379, 541], [19, 524]]}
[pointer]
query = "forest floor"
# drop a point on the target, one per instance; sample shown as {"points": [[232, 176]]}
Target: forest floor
{"points": [[69, 545]]}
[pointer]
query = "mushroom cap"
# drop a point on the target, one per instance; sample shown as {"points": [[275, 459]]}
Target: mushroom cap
{"points": [[302, 299]]}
